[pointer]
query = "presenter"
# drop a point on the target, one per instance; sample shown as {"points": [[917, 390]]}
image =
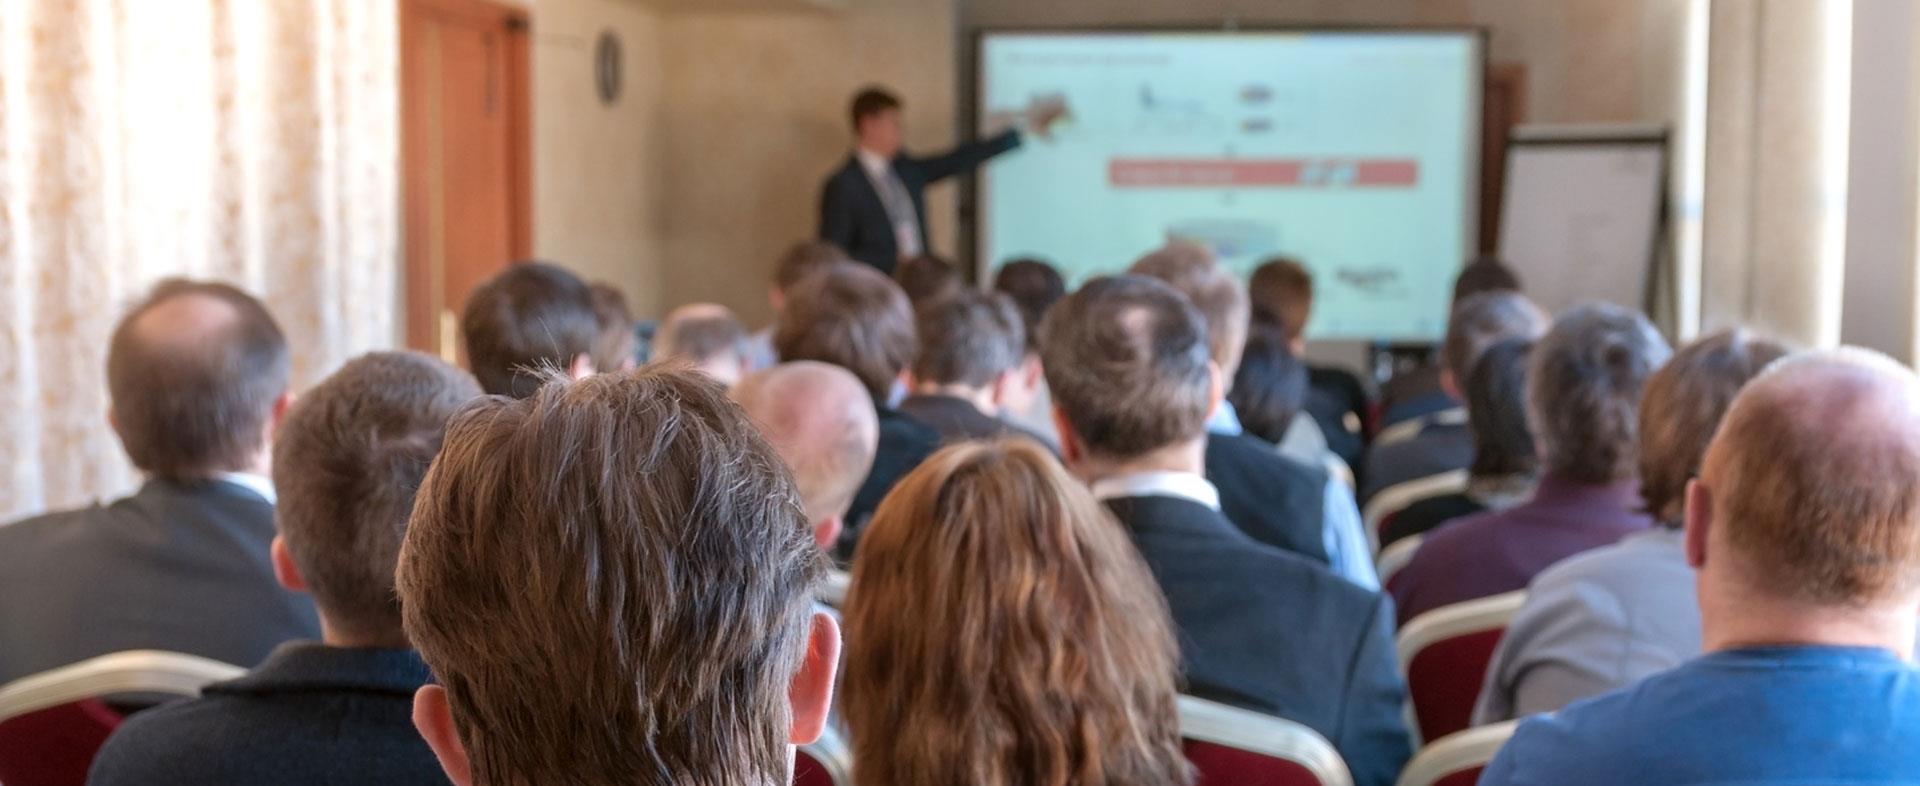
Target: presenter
{"points": [[873, 207]]}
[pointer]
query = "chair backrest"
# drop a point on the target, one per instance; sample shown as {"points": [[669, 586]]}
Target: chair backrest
{"points": [[54, 722], [1444, 655], [1411, 427], [1400, 496], [824, 762], [1235, 747], [1396, 556], [1457, 759]]}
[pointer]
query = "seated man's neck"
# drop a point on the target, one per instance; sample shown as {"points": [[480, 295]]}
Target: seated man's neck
{"points": [[980, 398], [1735, 618], [1188, 456]]}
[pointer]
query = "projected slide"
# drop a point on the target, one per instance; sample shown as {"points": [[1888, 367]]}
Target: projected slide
{"points": [[1353, 152]]}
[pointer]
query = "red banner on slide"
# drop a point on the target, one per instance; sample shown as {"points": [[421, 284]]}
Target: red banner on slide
{"points": [[1269, 173]]}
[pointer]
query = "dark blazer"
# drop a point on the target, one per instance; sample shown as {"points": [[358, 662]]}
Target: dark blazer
{"points": [[311, 714], [1338, 402], [904, 443], [958, 420], [178, 566], [853, 217], [1274, 633], [1273, 499]]}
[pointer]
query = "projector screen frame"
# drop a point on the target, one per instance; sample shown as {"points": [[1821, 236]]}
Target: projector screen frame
{"points": [[971, 223]]}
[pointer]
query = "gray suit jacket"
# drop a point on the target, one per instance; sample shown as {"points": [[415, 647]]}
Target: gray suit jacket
{"points": [[179, 567]]}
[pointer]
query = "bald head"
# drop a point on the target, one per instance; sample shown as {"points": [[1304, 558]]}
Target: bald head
{"points": [[196, 372], [821, 420], [707, 335], [1809, 485]]}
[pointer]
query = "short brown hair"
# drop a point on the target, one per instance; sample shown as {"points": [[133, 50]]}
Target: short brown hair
{"points": [[192, 396], [1034, 286], [871, 101], [927, 278], [1583, 391], [1682, 406], [531, 317], [1822, 511], [804, 259], [1281, 290], [853, 317], [1484, 274], [618, 344], [1126, 361], [349, 457], [998, 537], [643, 630], [701, 332], [1480, 321], [968, 338], [1191, 270]]}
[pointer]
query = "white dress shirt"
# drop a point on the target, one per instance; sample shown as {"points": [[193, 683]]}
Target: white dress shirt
{"points": [[258, 484], [1180, 485]]}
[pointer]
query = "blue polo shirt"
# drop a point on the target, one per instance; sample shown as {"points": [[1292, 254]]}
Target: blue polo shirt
{"points": [[1766, 715]]}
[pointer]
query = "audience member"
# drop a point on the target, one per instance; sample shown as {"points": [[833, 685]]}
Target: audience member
{"points": [[1418, 393], [1443, 442], [346, 462], [821, 421], [1506, 465], [1804, 527], [197, 376], [1583, 386], [854, 317], [1605, 619], [532, 317], [1268, 393], [659, 630], [972, 355], [1127, 358], [927, 278], [618, 347], [800, 260], [987, 561], [708, 336], [1337, 406], [1034, 286], [1293, 506]]}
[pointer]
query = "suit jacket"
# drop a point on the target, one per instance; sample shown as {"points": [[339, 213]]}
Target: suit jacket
{"points": [[958, 420], [310, 714], [1439, 447], [904, 443], [853, 217], [1271, 498], [177, 566], [1274, 633]]}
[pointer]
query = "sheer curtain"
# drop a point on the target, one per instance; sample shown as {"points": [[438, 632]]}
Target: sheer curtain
{"points": [[253, 141]]}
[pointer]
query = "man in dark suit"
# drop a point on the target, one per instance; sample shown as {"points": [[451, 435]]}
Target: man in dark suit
{"points": [[874, 206], [971, 369], [197, 375], [1259, 628], [347, 462]]}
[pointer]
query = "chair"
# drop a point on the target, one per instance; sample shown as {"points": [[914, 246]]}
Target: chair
{"points": [[54, 722], [1236, 747], [1400, 496], [824, 762], [1396, 556], [1411, 427], [1444, 655], [1457, 759]]}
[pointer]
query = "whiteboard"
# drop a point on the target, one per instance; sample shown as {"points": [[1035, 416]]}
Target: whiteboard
{"points": [[1580, 216]]}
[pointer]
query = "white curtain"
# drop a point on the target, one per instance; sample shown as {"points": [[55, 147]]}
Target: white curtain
{"points": [[253, 141]]}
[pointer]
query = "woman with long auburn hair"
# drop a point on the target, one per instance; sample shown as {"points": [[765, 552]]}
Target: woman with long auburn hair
{"points": [[1003, 631]]}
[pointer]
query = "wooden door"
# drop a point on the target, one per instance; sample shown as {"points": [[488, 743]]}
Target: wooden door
{"points": [[1505, 106], [464, 156]]}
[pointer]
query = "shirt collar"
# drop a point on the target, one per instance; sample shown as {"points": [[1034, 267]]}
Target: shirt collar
{"points": [[1179, 485], [258, 484], [1225, 420], [307, 665], [875, 164]]}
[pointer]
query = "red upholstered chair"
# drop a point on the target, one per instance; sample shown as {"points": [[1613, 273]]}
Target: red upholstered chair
{"points": [[1400, 496], [1444, 655], [1236, 747], [52, 723], [1457, 759], [824, 762]]}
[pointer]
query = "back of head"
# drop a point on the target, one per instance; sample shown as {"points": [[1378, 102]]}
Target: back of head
{"points": [[194, 371], [700, 332], [1126, 359], [531, 317], [990, 562], [1191, 269], [853, 317], [1583, 391], [1497, 412], [618, 347], [1482, 320], [1682, 407], [1482, 275], [637, 632], [1811, 476], [1281, 291], [870, 101], [1271, 385], [821, 420], [346, 463], [969, 338], [927, 278], [1034, 286], [804, 259]]}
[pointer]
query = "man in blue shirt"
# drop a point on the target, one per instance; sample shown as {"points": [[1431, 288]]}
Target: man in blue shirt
{"points": [[1804, 527]]}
